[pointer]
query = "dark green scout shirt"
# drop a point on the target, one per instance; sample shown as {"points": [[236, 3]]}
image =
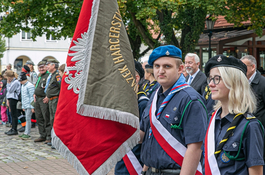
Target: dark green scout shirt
{"points": [[54, 85], [40, 85]]}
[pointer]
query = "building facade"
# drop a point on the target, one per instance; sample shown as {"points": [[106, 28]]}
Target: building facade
{"points": [[21, 48]]}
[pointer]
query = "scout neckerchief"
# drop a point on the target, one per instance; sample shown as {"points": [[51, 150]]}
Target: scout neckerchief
{"points": [[151, 88], [132, 164], [207, 92], [143, 90], [169, 143], [211, 166]]}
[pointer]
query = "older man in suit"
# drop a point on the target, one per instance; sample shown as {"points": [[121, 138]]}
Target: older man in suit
{"points": [[257, 82], [195, 77]]}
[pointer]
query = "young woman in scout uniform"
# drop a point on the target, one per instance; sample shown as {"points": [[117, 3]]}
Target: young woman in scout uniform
{"points": [[234, 138]]}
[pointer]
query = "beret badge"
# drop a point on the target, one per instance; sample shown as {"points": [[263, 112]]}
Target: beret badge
{"points": [[167, 53], [219, 59]]}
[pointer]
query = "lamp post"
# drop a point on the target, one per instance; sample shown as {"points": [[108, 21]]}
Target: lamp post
{"points": [[210, 25]]}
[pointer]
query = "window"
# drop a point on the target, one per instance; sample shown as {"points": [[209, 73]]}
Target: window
{"points": [[50, 38], [26, 35]]}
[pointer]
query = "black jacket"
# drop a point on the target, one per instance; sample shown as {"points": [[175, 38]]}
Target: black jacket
{"points": [[258, 87], [199, 82]]}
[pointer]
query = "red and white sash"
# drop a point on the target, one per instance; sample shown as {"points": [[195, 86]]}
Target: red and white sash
{"points": [[132, 164], [211, 166], [169, 143]]}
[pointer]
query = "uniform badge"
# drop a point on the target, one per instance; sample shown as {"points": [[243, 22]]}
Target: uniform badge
{"points": [[175, 108], [224, 158], [219, 59], [58, 78], [234, 145], [167, 53], [167, 116], [176, 118]]}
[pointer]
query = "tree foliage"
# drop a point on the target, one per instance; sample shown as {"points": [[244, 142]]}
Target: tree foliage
{"points": [[39, 17], [151, 22], [165, 18], [238, 11], [2, 46]]}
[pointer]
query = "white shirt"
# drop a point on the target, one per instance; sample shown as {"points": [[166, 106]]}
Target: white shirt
{"points": [[252, 77], [193, 76]]}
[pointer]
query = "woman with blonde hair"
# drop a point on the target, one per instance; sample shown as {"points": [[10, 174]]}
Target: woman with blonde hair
{"points": [[13, 90], [234, 140]]}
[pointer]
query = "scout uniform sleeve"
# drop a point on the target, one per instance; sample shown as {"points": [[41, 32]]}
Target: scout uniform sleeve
{"points": [[254, 144], [194, 122]]}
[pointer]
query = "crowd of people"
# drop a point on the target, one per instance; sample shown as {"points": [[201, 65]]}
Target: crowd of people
{"points": [[31, 99], [191, 122], [195, 122]]}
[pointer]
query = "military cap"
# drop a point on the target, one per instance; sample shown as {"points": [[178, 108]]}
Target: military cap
{"points": [[147, 66], [25, 69], [41, 63], [139, 68], [30, 62], [52, 60], [225, 61], [164, 51]]}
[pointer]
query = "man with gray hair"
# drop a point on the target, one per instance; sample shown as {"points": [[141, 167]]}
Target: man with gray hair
{"points": [[257, 82], [52, 89], [195, 77]]}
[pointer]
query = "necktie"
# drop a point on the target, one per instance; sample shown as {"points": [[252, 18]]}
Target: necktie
{"points": [[190, 80], [48, 81]]}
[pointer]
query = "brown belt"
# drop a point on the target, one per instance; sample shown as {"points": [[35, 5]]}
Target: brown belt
{"points": [[52, 98]]}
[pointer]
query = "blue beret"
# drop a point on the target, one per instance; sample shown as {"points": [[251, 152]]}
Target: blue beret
{"points": [[164, 51], [225, 61]]}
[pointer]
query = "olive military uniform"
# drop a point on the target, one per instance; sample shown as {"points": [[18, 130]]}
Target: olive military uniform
{"points": [[42, 109], [52, 93]]}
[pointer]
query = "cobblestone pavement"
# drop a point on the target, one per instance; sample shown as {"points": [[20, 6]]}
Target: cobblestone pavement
{"points": [[24, 157]]}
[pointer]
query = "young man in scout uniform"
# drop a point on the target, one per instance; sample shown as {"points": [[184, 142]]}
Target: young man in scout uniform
{"points": [[52, 88], [41, 108], [174, 121]]}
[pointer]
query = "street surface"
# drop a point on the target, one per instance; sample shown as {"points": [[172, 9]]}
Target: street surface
{"points": [[24, 157]]}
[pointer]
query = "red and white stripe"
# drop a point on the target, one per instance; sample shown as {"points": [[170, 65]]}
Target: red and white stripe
{"points": [[132, 164], [211, 166], [169, 143]]}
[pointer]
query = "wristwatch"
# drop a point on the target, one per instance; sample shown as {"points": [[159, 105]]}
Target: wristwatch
{"points": [[143, 172]]}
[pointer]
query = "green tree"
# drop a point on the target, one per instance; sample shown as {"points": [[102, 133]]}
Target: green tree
{"points": [[39, 17], [143, 19], [165, 18], [2, 47]]}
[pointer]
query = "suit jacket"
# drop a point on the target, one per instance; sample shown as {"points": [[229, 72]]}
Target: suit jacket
{"points": [[199, 82], [258, 86]]}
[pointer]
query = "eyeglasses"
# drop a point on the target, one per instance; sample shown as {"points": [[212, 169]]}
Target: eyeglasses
{"points": [[216, 79]]}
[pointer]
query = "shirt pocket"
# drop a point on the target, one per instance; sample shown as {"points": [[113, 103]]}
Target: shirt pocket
{"points": [[172, 117], [228, 155]]}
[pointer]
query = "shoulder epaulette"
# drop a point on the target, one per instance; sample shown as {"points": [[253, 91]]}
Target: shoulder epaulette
{"points": [[249, 117]]}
